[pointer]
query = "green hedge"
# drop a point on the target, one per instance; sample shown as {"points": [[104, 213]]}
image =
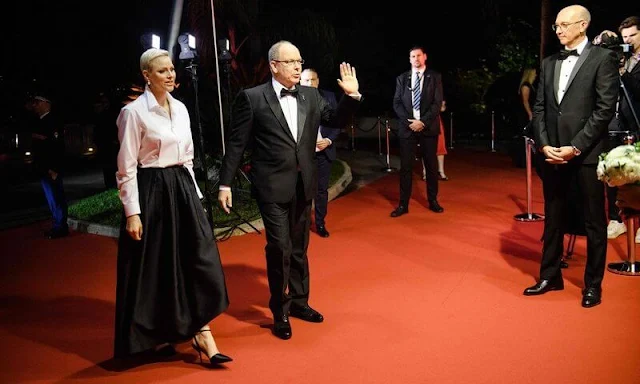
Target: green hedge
{"points": [[105, 207]]}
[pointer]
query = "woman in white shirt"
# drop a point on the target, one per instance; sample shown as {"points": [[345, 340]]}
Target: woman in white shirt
{"points": [[170, 281]]}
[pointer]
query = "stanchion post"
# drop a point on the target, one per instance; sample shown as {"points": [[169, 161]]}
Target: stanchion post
{"points": [[450, 130], [493, 131], [353, 136], [379, 136], [528, 216], [388, 168]]}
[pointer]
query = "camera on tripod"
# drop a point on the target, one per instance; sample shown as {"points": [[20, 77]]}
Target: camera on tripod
{"points": [[623, 51]]}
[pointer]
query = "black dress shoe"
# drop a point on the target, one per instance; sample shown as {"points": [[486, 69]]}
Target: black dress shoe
{"points": [[564, 264], [306, 313], [591, 297], [282, 327], [545, 286], [322, 232], [401, 210], [435, 207]]}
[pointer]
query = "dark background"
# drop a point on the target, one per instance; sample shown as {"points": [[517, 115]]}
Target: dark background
{"points": [[77, 48]]}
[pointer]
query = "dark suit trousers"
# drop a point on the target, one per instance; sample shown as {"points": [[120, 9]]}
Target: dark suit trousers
{"points": [[558, 182], [429, 145], [322, 196], [287, 229]]}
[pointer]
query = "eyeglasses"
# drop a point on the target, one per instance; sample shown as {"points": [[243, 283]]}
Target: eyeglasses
{"points": [[290, 62], [564, 26]]}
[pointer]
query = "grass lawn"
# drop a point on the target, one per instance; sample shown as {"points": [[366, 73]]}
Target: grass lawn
{"points": [[105, 207]]}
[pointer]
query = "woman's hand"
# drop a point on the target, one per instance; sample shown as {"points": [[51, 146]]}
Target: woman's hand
{"points": [[134, 227]]}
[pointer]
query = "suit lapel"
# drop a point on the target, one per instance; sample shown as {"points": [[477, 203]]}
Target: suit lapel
{"points": [[425, 85], [302, 112], [408, 94], [556, 79], [581, 60], [274, 104]]}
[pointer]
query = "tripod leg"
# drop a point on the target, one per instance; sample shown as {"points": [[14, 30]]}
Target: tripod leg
{"points": [[245, 221]]}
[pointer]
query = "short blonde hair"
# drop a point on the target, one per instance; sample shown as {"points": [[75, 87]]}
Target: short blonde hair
{"points": [[149, 55]]}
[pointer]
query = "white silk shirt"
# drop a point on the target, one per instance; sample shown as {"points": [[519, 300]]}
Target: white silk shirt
{"points": [[150, 138]]}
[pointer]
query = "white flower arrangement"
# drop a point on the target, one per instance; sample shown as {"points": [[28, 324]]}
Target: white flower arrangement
{"points": [[620, 166]]}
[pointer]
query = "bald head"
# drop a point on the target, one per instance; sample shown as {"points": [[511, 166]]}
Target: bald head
{"points": [[571, 25], [575, 12]]}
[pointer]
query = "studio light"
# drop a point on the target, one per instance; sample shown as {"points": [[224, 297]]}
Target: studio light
{"points": [[187, 46], [225, 54], [150, 40]]}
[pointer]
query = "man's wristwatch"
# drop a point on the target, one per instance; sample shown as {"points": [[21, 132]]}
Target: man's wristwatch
{"points": [[576, 151]]}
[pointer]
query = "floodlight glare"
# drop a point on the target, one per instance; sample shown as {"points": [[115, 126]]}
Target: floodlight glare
{"points": [[187, 46]]}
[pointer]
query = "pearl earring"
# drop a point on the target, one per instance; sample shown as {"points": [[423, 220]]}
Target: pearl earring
{"points": [[149, 82]]}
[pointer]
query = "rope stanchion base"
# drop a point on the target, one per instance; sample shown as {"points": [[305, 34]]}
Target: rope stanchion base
{"points": [[529, 217], [625, 268], [389, 169]]}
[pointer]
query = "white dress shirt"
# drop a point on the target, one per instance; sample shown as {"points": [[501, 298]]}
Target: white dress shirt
{"points": [[150, 138], [289, 105], [567, 67]]}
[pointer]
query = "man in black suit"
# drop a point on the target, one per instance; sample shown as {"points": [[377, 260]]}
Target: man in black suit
{"points": [[325, 152], [281, 121], [48, 159], [575, 102], [416, 102]]}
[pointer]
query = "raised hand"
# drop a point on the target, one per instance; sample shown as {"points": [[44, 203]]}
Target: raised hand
{"points": [[348, 80]]}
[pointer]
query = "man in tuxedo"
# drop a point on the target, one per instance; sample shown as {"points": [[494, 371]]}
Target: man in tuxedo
{"points": [[280, 119], [575, 102], [48, 159], [416, 102], [325, 152]]}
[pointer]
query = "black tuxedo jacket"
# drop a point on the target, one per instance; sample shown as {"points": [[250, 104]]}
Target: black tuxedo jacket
{"points": [[588, 105], [430, 102], [327, 131], [631, 82], [258, 124]]}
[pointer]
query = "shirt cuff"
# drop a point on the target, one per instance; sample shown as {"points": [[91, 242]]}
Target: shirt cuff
{"points": [[224, 188], [131, 209]]}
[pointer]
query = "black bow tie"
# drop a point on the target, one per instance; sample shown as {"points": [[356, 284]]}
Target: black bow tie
{"points": [[566, 53], [284, 92]]}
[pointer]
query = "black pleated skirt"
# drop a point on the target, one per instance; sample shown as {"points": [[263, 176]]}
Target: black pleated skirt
{"points": [[170, 283]]}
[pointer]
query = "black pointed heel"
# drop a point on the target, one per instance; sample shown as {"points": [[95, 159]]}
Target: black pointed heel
{"points": [[214, 360]]}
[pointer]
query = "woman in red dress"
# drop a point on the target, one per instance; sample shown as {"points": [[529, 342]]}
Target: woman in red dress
{"points": [[441, 151]]}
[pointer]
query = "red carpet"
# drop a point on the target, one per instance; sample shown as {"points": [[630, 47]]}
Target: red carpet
{"points": [[423, 298]]}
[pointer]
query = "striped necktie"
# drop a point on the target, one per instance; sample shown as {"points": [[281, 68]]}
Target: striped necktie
{"points": [[416, 92]]}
